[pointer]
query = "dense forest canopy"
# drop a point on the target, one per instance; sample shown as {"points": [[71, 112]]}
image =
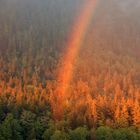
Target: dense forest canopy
{"points": [[103, 97]]}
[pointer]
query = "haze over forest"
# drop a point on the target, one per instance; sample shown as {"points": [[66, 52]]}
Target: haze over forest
{"points": [[102, 101]]}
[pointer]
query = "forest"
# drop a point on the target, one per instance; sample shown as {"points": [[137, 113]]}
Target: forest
{"points": [[102, 101]]}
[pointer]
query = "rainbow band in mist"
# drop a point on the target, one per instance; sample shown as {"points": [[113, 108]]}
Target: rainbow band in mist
{"points": [[75, 40]]}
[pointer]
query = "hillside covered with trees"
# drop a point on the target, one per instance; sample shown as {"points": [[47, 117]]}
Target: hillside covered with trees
{"points": [[103, 97]]}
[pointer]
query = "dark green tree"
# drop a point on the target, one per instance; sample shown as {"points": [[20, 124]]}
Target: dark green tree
{"points": [[59, 135], [49, 131], [80, 133], [104, 133], [125, 134], [10, 129], [27, 120]]}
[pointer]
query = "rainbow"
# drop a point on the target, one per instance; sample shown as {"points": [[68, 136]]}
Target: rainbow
{"points": [[74, 42]]}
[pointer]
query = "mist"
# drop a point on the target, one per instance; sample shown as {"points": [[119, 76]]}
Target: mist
{"points": [[69, 70]]}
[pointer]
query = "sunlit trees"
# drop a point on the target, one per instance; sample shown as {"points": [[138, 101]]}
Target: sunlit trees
{"points": [[124, 116], [136, 114]]}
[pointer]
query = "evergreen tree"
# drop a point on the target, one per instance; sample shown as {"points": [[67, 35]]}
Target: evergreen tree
{"points": [[27, 120], [104, 133], [10, 129], [59, 135], [80, 133], [136, 114]]}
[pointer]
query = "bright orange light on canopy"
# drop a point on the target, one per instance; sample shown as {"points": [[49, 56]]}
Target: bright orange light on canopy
{"points": [[73, 45]]}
